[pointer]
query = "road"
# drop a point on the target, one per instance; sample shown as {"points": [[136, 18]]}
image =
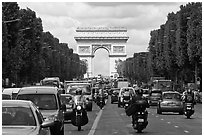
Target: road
{"points": [[114, 121]]}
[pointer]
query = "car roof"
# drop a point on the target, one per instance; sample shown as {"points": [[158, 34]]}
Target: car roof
{"points": [[24, 103], [11, 90], [170, 92], [38, 90]]}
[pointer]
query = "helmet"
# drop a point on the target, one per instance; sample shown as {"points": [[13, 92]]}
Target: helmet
{"points": [[78, 91], [140, 92], [137, 90], [189, 91]]}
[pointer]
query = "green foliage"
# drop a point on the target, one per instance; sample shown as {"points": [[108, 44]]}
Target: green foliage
{"points": [[175, 50], [29, 54]]}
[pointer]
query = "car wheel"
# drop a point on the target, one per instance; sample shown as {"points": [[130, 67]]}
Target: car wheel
{"points": [[181, 113], [118, 103], [159, 111]]}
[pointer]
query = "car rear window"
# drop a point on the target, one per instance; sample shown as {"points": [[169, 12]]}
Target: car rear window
{"points": [[42, 101], [171, 96], [18, 116]]}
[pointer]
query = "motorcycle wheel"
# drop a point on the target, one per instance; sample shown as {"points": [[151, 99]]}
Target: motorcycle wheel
{"points": [[188, 116], [139, 131], [79, 128], [78, 120]]}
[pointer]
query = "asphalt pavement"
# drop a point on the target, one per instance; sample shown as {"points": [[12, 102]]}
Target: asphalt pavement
{"points": [[113, 121]]}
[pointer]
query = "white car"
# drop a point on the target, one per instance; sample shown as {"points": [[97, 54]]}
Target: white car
{"points": [[122, 91]]}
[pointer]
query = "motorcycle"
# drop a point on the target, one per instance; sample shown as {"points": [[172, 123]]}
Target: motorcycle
{"points": [[100, 101], [126, 100], [140, 122], [188, 110], [79, 117]]}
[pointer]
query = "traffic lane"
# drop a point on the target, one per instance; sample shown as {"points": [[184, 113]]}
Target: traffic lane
{"points": [[185, 126], [113, 121], [69, 129]]}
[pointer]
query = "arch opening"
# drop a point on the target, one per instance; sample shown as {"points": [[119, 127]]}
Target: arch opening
{"points": [[101, 64]]}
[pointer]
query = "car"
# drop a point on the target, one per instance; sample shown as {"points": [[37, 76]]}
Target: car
{"points": [[53, 81], [67, 100], [86, 91], [12, 92], [170, 102], [154, 97], [20, 117], [122, 91], [47, 99], [145, 93], [114, 95]]}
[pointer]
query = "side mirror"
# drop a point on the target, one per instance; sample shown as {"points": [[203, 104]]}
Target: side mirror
{"points": [[63, 107], [47, 123]]}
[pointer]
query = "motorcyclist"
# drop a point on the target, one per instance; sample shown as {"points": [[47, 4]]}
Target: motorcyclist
{"points": [[80, 97], [100, 95], [188, 97], [141, 103]]}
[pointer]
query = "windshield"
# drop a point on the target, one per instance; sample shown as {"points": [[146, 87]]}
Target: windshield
{"points": [[172, 96], [18, 116], [85, 89], [156, 94], [42, 101], [50, 83], [131, 91]]}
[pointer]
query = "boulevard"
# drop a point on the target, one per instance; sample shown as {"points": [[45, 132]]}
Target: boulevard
{"points": [[114, 121]]}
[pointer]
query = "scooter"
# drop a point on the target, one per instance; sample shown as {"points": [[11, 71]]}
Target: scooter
{"points": [[79, 117], [188, 110], [140, 122], [101, 102]]}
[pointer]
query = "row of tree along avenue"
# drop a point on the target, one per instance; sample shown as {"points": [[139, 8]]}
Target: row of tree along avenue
{"points": [[174, 52], [29, 54]]}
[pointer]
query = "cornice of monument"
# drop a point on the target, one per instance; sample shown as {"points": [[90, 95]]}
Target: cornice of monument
{"points": [[101, 29], [77, 38]]}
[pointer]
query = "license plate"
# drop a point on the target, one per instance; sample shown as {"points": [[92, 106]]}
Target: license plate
{"points": [[140, 120]]}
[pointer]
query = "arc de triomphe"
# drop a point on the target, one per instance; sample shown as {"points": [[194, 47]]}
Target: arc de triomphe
{"points": [[90, 39]]}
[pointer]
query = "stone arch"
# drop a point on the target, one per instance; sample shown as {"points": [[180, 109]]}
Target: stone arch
{"points": [[112, 39], [107, 47]]}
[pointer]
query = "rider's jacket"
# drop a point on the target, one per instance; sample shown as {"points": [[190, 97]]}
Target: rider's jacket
{"points": [[188, 97], [141, 102], [81, 99]]}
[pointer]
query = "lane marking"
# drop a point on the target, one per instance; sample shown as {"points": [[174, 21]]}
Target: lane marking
{"points": [[186, 131], [169, 122], [93, 128], [176, 126], [162, 119], [157, 116]]}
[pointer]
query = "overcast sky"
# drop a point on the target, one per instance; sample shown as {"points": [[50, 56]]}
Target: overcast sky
{"points": [[62, 19]]}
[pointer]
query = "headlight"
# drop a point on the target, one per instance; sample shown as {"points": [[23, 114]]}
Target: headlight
{"points": [[163, 104], [78, 107]]}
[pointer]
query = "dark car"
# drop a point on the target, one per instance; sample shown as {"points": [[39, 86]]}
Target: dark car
{"points": [[114, 95], [67, 100], [20, 117], [47, 99], [154, 97], [170, 102]]}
